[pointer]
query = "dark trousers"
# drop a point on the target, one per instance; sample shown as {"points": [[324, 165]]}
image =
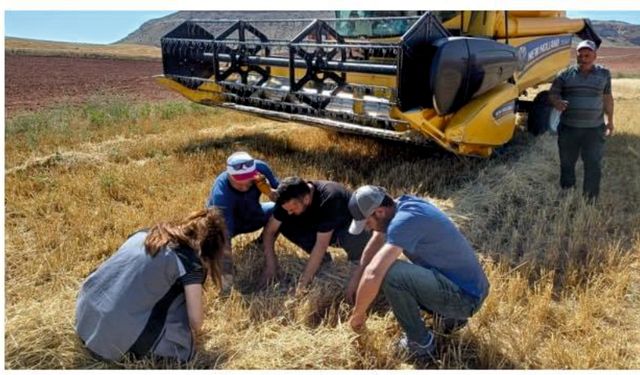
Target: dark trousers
{"points": [[588, 143], [305, 238]]}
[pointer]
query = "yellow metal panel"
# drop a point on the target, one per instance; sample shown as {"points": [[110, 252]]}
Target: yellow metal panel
{"points": [[537, 13], [420, 120], [207, 93], [474, 150], [454, 23], [544, 71], [482, 23], [530, 26], [487, 120]]}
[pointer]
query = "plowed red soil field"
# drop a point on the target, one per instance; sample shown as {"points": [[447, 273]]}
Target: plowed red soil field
{"points": [[624, 60], [34, 82]]}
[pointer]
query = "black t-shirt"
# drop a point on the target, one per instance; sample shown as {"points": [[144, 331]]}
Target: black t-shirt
{"points": [[195, 273], [329, 209]]}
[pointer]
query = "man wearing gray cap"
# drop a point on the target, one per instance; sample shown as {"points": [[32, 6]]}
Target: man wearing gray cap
{"points": [[443, 274], [583, 94]]}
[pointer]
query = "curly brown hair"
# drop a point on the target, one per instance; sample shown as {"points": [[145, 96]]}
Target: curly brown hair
{"points": [[202, 231]]}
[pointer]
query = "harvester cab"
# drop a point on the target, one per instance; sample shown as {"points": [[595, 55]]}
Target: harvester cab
{"points": [[450, 77]]}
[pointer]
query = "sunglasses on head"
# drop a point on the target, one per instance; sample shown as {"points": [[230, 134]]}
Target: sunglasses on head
{"points": [[242, 165]]}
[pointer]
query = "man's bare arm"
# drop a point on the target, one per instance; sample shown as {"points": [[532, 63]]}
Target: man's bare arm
{"points": [[315, 260], [269, 236], [375, 243], [608, 111], [370, 283]]}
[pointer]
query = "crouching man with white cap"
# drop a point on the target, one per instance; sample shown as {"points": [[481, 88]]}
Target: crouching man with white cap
{"points": [[236, 192], [443, 274]]}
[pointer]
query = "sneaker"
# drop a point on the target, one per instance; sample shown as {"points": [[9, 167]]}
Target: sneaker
{"points": [[415, 350]]}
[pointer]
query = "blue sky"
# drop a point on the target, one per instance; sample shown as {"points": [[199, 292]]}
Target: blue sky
{"points": [[109, 26], [76, 26], [630, 16]]}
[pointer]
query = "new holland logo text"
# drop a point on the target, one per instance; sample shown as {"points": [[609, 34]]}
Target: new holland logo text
{"points": [[530, 53]]}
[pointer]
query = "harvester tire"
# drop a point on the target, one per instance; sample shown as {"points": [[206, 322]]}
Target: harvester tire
{"points": [[540, 114]]}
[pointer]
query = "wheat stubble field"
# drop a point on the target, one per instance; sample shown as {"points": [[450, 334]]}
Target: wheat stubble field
{"points": [[80, 177]]}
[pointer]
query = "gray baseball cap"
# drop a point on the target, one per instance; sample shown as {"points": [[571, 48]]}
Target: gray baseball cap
{"points": [[362, 204], [587, 44]]}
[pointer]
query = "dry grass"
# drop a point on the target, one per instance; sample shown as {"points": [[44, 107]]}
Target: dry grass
{"points": [[20, 46], [564, 275]]}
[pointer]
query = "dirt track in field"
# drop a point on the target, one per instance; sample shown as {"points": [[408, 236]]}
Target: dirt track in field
{"points": [[34, 82]]}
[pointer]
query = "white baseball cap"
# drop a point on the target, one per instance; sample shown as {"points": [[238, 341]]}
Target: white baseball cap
{"points": [[241, 166], [587, 44]]}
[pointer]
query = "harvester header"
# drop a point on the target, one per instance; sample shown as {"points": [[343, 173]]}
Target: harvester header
{"points": [[410, 78]]}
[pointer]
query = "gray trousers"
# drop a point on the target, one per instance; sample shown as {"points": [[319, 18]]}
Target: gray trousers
{"points": [[587, 143], [410, 288]]}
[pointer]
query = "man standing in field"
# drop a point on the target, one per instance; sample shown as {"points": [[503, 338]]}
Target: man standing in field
{"points": [[583, 94], [314, 215], [443, 274], [236, 192]]}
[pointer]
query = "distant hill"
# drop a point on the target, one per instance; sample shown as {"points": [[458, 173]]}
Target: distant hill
{"points": [[21, 46], [151, 31], [613, 33], [618, 33]]}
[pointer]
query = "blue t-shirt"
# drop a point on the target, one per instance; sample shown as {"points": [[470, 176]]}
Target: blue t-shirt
{"points": [[430, 239], [236, 206]]}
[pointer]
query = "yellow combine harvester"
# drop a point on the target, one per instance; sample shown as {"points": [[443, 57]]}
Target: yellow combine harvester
{"points": [[450, 77]]}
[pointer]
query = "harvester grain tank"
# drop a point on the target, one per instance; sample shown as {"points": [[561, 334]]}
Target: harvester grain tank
{"points": [[450, 77]]}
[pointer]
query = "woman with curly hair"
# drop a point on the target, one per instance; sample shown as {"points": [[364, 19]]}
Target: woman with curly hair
{"points": [[146, 299]]}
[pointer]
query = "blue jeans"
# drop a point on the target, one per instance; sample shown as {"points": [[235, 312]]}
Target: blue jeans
{"points": [[410, 288], [252, 224]]}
